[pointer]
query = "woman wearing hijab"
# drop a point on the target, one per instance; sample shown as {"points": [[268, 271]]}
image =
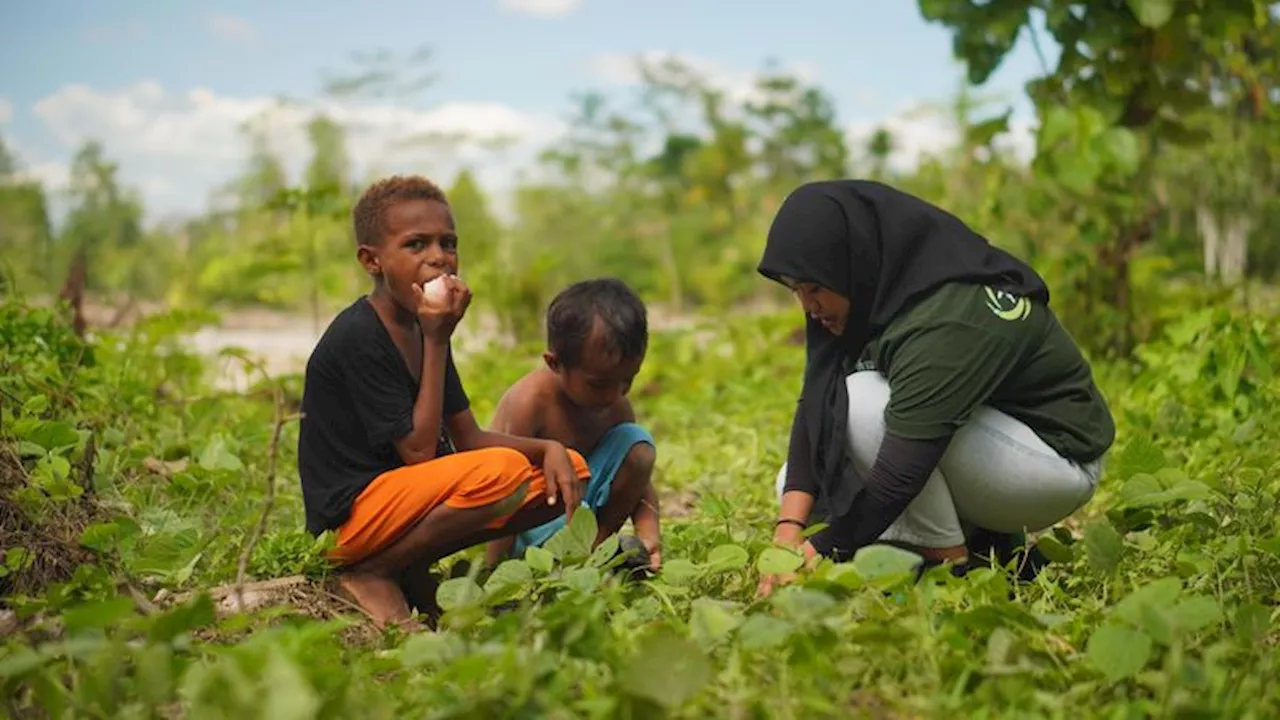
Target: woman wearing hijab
{"points": [[940, 392]]}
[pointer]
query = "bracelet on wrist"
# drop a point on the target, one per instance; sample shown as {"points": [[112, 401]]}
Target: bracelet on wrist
{"points": [[792, 521]]}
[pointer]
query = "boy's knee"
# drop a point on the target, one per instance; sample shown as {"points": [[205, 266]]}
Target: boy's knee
{"points": [[507, 460], [580, 465], [640, 461]]}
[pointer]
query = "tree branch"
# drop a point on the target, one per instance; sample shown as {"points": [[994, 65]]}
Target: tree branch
{"points": [[268, 502]]}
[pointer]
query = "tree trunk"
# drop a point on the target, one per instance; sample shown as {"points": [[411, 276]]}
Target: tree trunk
{"points": [[73, 289], [1207, 226], [1235, 247]]}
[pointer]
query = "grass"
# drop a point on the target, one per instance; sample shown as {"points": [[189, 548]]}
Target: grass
{"points": [[1162, 601]]}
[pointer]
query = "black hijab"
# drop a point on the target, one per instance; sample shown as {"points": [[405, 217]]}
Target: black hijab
{"points": [[883, 250]]}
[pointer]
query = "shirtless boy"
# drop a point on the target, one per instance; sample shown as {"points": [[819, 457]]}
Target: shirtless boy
{"points": [[597, 335]]}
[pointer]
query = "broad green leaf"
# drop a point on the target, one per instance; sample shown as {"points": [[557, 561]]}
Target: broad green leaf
{"points": [[1104, 546], [1000, 647], [583, 579], [802, 604], [539, 559], [1157, 623], [604, 552], [728, 557], [679, 572], [666, 669], [1143, 490], [1058, 124], [573, 541], [885, 561], [1251, 623], [508, 574], [1271, 545], [103, 537], [289, 695], [1140, 455], [430, 650], [1118, 652], [760, 632], [1196, 613], [456, 593], [778, 561], [1119, 149], [18, 558], [710, 620], [1077, 169], [197, 613], [97, 615], [1152, 13], [1160, 593], [1053, 549], [36, 404], [217, 456], [21, 661], [155, 670], [53, 435]]}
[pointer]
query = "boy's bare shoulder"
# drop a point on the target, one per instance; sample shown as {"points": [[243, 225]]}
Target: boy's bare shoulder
{"points": [[526, 399], [536, 385]]}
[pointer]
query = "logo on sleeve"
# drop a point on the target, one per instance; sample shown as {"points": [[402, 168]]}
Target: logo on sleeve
{"points": [[1007, 306]]}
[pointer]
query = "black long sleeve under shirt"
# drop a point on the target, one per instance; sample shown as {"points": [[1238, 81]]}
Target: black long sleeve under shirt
{"points": [[901, 469]]}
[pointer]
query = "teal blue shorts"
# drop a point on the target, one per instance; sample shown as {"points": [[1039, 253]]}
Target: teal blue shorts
{"points": [[604, 461]]}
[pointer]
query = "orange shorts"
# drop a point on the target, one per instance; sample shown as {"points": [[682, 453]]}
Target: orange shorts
{"points": [[398, 499]]}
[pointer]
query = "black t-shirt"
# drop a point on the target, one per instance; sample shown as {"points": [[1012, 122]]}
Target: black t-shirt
{"points": [[357, 401]]}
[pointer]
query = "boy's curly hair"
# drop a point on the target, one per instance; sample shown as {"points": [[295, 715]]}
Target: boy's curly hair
{"points": [[369, 210]]}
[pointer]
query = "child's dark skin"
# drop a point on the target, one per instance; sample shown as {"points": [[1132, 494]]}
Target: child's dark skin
{"points": [[419, 243], [576, 406]]}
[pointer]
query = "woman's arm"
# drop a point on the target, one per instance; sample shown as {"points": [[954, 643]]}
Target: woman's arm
{"points": [[901, 469]]}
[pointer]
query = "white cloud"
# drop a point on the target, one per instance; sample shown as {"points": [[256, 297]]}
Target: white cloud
{"points": [[545, 8], [738, 85], [921, 132], [915, 135], [230, 27], [178, 147], [6, 110]]}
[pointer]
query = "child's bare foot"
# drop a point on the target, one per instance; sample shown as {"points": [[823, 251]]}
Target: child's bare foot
{"points": [[378, 596]]}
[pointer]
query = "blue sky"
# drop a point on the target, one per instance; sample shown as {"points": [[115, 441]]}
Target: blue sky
{"points": [[164, 84]]}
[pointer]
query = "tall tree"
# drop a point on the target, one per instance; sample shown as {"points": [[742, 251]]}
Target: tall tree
{"points": [[479, 232], [26, 240], [1127, 76], [103, 221]]}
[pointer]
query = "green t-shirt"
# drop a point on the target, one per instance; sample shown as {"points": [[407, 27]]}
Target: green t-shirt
{"points": [[967, 345]]}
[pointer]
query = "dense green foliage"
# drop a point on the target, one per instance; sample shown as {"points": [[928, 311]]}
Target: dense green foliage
{"points": [[132, 484], [1157, 144], [1162, 602]]}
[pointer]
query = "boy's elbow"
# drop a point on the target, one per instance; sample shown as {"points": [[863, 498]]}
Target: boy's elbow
{"points": [[413, 455]]}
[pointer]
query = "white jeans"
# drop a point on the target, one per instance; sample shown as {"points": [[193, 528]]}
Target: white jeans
{"points": [[996, 474]]}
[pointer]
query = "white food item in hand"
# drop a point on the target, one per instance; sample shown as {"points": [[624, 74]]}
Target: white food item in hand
{"points": [[436, 292]]}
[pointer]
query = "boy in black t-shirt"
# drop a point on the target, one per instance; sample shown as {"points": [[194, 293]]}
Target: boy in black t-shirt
{"points": [[390, 456]]}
